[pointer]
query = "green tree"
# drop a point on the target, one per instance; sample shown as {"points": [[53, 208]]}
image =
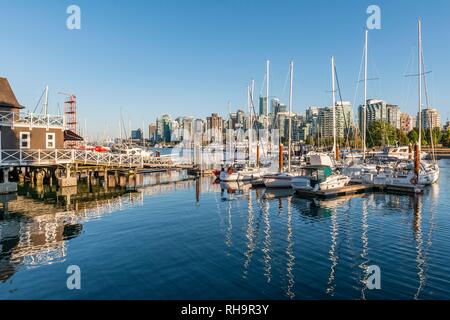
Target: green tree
{"points": [[381, 133], [445, 139], [413, 136], [402, 138], [437, 135]]}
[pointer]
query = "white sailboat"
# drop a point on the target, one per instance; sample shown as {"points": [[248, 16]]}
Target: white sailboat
{"points": [[246, 172], [320, 176], [283, 179], [428, 173]]}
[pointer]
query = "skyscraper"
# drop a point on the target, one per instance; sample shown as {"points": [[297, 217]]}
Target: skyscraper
{"points": [[431, 118], [263, 106], [164, 128], [380, 110], [214, 127]]}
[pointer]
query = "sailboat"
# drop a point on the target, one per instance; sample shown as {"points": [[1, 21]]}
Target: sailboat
{"points": [[283, 179], [427, 173], [432, 170], [320, 176], [245, 172]]}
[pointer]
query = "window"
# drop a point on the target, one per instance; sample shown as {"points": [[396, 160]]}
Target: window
{"points": [[50, 141], [24, 140]]}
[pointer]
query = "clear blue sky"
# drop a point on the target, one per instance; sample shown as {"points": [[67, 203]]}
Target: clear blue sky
{"points": [[191, 57]]}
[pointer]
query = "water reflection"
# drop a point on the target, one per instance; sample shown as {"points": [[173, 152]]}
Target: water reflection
{"points": [[36, 223], [290, 253], [267, 243], [273, 241]]}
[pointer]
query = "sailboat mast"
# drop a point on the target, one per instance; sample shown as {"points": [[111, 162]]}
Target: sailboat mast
{"points": [[419, 116], [267, 94], [46, 101], [229, 115], [334, 107], [364, 127], [249, 106], [290, 115]]}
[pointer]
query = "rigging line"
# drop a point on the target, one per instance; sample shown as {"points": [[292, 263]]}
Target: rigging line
{"points": [[430, 124], [377, 72], [342, 108], [264, 84], [357, 83], [407, 86], [39, 101], [285, 84]]}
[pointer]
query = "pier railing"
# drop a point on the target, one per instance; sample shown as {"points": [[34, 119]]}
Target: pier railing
{"points": [[28, 157], [31, 119]]}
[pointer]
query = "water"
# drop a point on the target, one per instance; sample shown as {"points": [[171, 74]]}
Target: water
{"points": [[161, 243]]}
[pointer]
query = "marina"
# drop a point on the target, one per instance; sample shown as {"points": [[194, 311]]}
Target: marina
{"points": [[210, 242], [197, 154]]}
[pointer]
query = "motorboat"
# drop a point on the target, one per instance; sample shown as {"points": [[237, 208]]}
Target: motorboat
{"points": [[319, 177]]}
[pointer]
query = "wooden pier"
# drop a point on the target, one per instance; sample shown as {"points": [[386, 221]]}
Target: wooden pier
{"points": [[360, 188], [347, 190]]}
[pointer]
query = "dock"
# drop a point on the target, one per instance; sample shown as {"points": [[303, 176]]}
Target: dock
{"points": [[345, 191], [358, 189]]}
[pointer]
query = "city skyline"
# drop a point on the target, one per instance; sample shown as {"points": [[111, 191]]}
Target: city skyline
{"points": [[212, 67]]}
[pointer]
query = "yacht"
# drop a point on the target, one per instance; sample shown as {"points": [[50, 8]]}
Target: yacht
{"points": [[319, 177]]}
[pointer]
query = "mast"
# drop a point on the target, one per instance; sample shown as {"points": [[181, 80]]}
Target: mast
{"points": [[366, 44], [334, 107], [267, 101], [290, 115], [249, 94], [419, 117], [267, 95], [46, 101], [229, 115]]}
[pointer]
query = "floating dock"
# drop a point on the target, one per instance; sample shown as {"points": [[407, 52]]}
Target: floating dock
{"points": [[344, 191], [360, 188]]}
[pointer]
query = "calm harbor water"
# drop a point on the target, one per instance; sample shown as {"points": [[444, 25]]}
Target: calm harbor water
{"points": [[166, 241]]}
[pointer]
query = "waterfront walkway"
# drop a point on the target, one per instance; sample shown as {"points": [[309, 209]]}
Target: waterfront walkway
{"points": [[29, 157]]}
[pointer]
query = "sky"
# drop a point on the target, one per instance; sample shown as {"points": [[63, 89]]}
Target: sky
{"points": [[146, 58]]}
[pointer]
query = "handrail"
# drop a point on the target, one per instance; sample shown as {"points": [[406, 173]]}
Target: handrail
{"points": [[31, 119], [67, 156]]}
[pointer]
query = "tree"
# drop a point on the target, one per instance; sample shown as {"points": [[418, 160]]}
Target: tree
{"points": [[381, 133], [445, 139], [402, 138], [413, 136], [437, 135]]}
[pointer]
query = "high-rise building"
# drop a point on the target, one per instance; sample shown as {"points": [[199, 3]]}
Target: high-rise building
{"points": [[164, 128], [431, 118], [407, 122], [152, 132], [344, 119], [240, 119], [282, 124], [185, 127], [214, 127], [263, 106], [278, 107], [136, 134], [379, 110]]}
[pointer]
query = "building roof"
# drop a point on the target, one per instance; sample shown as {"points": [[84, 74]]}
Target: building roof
{"points": [[7, 97], [71, 136]]}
